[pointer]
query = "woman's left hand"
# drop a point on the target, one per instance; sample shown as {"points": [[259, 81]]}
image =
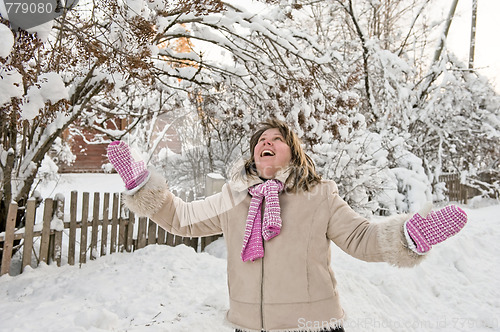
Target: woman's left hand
{"points": [[435, 227]]}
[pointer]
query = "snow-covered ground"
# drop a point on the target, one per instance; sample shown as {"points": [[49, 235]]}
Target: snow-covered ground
{"points": [[161, 288]]}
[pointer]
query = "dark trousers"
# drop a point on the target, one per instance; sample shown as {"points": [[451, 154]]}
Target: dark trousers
{"points": [[338, 329]]}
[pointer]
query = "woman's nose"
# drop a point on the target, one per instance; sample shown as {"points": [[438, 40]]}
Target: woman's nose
{"points": [[266, 142]]}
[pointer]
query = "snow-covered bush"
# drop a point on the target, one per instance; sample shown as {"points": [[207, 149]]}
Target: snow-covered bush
{"points": [[60, 152]]}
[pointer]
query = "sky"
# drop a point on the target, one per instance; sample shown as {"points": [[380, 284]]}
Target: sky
{"points": [[487, 53]]}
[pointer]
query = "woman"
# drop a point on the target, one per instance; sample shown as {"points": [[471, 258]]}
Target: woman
{"points": [[278, 218]]}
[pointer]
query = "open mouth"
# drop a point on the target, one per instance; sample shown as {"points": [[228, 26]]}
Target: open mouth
{"points": [[267, 153]]}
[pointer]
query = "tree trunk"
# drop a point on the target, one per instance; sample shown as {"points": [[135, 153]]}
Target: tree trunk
{"points": [[433, 74], [366, 53]]}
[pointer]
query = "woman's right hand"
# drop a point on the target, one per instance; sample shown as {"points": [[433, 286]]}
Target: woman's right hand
{"points": [[133, 173]]}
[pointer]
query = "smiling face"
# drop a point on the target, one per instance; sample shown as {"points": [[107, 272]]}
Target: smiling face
{"points": [[271, 153]]}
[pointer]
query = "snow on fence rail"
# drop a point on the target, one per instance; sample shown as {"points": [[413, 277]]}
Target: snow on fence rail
{"points": [[95, 234]]}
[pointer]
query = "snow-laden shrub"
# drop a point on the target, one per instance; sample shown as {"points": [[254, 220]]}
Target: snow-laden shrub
{"points": [[60, 152], [375, 172]]}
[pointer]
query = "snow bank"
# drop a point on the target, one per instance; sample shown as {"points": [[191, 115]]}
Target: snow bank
{"points": [[159, 288], [455, 289]]}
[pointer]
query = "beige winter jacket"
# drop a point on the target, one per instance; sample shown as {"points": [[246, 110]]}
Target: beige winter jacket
{"points": [[293, 287]]}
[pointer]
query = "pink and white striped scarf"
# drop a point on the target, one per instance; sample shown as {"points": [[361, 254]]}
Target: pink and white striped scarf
{"points": [[255, 229]]}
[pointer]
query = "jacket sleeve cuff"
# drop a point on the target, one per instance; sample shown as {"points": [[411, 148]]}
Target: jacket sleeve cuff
{"points": [[148, 199], [136, 189], [394, 245], [410, 242]]}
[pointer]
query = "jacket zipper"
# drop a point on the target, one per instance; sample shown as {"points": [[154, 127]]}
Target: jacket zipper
{"points": [[262, 280], [262, 293]]}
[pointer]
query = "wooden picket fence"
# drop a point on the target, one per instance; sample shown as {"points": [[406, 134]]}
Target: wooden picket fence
{"points": [[456, 191], [118, 230]]}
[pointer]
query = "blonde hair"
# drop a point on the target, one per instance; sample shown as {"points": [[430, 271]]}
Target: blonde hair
{"points": [[302, 169]]}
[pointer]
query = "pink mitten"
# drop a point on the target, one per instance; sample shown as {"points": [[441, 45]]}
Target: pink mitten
{"points": [[436, 227], [133, 173]]}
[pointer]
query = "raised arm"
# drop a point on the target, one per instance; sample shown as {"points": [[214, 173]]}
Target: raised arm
{"points": [[400, 240], [198, 218], [147, 195]]}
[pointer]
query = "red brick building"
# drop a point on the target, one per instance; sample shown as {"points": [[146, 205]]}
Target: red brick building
{"points": [[91, 156]]}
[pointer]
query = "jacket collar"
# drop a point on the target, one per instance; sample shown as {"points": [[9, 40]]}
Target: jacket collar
{"points": [[239, 180]]}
